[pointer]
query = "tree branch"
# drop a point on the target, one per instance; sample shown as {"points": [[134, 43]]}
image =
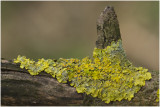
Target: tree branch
{"points": [[20, 88]]}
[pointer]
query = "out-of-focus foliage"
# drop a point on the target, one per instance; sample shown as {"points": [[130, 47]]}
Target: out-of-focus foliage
{"points": [[108, 75]]}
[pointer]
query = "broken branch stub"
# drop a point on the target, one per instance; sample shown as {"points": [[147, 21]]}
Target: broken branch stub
{"points": [[107, 28]]}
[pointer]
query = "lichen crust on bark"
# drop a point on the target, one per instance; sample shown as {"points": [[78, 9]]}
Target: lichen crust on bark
{"points": [[109, 75]]}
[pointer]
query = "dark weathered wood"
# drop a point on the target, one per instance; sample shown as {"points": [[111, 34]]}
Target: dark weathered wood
{"points": [[107, 28], [19, 88]]}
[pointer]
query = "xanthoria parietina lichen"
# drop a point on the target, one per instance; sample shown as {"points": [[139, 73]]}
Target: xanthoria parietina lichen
{"points": [[109, 75]]}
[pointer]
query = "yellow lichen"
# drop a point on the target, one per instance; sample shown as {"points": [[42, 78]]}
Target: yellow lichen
{"points": [[108, 75], [157, 100]]}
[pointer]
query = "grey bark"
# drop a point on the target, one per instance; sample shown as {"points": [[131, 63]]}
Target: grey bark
{"points": [[107, 28]]}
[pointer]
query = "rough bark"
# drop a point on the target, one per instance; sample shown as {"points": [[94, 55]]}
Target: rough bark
{"points": [[107, 28], [19, 88]]}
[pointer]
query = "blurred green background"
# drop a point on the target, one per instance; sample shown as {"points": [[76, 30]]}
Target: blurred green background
{"points": [[52, 29]]}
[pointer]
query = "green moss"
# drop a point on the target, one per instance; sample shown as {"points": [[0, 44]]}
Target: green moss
{"points": [[108, 75]]}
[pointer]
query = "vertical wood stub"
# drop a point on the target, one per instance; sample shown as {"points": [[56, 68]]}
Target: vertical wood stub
{"points": [[107, 28]]}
